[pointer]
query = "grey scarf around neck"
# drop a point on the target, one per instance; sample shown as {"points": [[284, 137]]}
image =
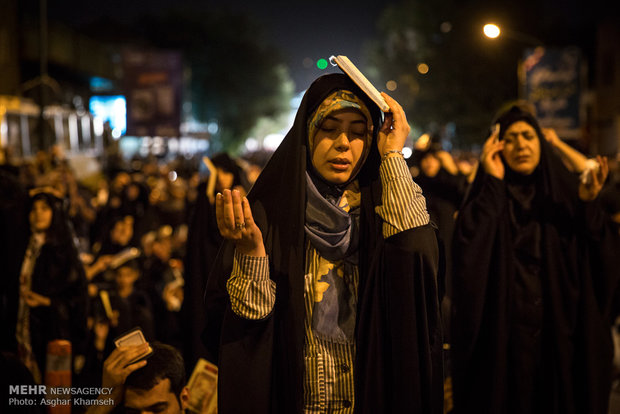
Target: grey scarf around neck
{"points": [[333, 232]]}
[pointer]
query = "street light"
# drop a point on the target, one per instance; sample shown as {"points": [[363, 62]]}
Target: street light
{"points": [[493, 31]]}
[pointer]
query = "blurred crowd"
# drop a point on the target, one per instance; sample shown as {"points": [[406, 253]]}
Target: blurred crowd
{"points": [[90, 259]]}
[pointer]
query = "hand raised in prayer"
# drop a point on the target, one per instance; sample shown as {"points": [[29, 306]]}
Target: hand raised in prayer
{"points": [[490, 158], [395, 129], [235, 222], [590, 189]]}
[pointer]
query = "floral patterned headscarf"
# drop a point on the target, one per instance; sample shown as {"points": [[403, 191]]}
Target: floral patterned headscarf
{"points": [[336, 101]]}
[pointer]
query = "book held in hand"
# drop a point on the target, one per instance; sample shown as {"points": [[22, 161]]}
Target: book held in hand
{"points": [[345, 64], [203, 388], [133, 337]]}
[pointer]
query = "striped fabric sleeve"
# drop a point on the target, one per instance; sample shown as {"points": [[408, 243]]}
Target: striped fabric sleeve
{"points": [[252, 293], [403, 205]]}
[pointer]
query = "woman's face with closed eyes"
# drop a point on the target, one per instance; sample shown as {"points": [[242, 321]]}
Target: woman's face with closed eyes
{"points": [[521, 148], [339, 145]]}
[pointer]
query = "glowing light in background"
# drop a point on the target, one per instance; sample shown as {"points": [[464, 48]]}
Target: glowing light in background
{"points": [[445, 27], [172, 176], [321, 64], [423, 68], [251, 144], [272, 141], [97, 125], [491, 30], [213, 127], [423, 142], [111, 108], [407, 152], [391, 85]]}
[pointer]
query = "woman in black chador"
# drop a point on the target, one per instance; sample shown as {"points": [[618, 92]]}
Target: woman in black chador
{"points": [[52, 297], [324, 296], [535, 268], [203, 243]]}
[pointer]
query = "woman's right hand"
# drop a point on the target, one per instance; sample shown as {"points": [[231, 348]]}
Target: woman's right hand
{"points": [[235, 223], [490, 158]]}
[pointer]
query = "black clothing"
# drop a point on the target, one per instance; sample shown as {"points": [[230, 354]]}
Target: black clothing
{"points": [[134, 310], [534, 273], [203, 243], [14, 372], [157, 274], [58, 275], [444, 194], [13, 240], [398, 333]]}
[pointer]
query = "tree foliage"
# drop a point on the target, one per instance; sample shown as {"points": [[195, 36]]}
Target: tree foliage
{"points": [[468, 78], [236, 78]]}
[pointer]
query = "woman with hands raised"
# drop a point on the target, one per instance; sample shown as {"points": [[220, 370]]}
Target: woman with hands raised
{"points": [[297, 299], [535, 271]]}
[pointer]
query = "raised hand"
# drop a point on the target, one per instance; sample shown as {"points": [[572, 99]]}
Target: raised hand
{"points": [[551, 136], [395, 129], [235, 222], [490, 157], [116, 369], [590, 189]]}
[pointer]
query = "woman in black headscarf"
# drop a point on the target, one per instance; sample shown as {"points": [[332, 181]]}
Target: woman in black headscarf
{"points": [[52, 300], [203, 243], [535, 268], [330, 306]]}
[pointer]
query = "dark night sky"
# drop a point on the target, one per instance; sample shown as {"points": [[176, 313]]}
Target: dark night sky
{"points": [[311, 29], [320, 28]]}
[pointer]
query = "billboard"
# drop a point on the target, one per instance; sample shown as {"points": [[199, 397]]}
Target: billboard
{"points": [[152, 85], [553, 83]]}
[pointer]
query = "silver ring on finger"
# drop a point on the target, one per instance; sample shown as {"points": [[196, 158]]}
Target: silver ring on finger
{"points": [[240, 226]]}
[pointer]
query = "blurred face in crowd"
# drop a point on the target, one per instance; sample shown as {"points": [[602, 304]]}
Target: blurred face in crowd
{"points": [[40, 216], [122, 232], [120, 181], [159, 399], [339, 145], [133, 192], [163, 248], [430, 165], [225, 179], [126, 276], [522, 148], [465, 166], [253, 172]]}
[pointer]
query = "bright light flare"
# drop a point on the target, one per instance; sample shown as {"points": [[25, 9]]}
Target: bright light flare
{"points": [[423, 142], [491, 30]]}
